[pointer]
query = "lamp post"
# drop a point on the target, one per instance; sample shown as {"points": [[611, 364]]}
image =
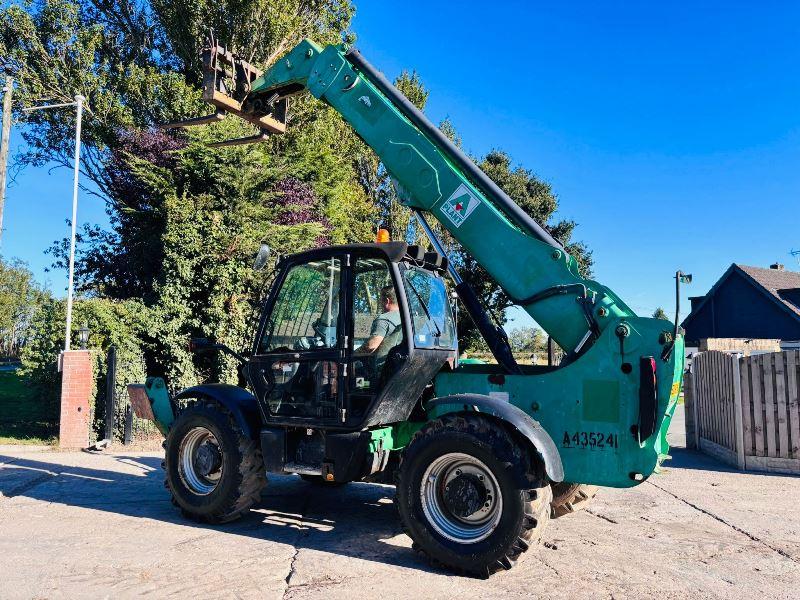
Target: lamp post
{"points": [[78, 104], [5, 136], [83, 336]]}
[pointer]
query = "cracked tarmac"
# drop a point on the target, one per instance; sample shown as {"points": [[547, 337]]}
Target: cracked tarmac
{"points": [[82, 525]]}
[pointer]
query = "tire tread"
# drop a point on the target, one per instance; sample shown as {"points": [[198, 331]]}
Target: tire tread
{"points": [[251, 476], [516, 458], [571, 497]]}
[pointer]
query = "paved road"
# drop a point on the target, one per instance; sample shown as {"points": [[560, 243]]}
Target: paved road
{"points": [[80, 525]]}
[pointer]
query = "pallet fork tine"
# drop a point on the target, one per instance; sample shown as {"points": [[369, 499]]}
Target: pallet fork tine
{"points": [[196, 121], [227, 81]]}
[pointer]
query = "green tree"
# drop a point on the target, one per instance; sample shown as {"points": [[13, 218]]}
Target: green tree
{"points": [[137, 62], [259, 30], [660, 313], [185, 220], [20, 297], [120, 324], [527, 340]]}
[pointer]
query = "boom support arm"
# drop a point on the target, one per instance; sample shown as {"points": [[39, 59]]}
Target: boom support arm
{"points": [[434, 176]]}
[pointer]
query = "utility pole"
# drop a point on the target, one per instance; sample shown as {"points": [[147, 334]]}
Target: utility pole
{"points": [[78, 104], [5, 136], [79, 114]]}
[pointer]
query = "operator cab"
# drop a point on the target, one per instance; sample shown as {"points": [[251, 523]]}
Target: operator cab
{"points": [[350, 336]]}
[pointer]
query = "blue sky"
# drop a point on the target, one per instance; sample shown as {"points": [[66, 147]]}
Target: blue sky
{"points": [[670, 132]]}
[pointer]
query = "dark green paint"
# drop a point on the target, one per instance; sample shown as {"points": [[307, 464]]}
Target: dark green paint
{"points": [[601, 401]]}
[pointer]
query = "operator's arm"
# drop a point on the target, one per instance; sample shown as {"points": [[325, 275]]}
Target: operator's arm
{"points": [[370, 345], [381, 327]]}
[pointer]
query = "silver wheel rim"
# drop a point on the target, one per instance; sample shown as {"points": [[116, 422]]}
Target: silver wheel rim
{"points": [[192, 477], [464, 530]]}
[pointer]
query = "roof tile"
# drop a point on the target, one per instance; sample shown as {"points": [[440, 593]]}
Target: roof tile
{"points": [[783, 285]]}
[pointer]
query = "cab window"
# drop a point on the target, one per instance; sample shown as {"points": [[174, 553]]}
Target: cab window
{"points": [[306, 312], [431, 313], [378, 337]]}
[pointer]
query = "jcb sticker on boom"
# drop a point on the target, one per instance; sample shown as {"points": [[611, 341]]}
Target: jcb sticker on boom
{"points": [[460, 205], [591, 440]]}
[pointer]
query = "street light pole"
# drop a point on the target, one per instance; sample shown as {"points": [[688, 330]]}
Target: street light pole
{"points": [[5, 136], [78, 104], [79, 110]]}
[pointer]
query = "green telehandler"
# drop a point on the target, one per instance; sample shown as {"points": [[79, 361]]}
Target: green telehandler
{"points": [[354, 371]]}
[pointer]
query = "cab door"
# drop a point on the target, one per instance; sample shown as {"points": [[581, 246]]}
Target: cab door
{"points": [[297, 371], [379, 347]]}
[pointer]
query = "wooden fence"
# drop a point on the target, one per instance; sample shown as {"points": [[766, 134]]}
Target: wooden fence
{"points": [[746, 410]]}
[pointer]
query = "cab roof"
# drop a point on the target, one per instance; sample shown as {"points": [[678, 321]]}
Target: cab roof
{"points": [[394, 251]]}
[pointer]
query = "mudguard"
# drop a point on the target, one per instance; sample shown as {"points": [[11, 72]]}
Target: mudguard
{"points": [[241, 404], [529, 428]]}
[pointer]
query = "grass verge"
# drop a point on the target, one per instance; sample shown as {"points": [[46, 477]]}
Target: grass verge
{"points": [[23, 417]]}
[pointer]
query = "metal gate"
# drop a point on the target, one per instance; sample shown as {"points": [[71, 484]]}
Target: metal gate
{"points": [[119, 422]]}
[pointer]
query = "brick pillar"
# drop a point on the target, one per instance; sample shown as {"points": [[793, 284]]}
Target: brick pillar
{"points": [[76, 388]]}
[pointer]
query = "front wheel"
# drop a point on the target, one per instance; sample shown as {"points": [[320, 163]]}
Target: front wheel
{"points": [[214, 472], [470, 495]]}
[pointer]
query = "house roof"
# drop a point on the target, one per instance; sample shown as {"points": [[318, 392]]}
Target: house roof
{"points": [[783, 286], [780, 286]]}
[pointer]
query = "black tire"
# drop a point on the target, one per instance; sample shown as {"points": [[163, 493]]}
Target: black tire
{"points": [[321, 481], [242, 475], [571, 497], [525, 493]]}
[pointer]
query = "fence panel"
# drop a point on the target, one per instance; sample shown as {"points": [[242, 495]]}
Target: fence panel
{"points": [[756, 366], [747, 410], [768, 377], [716, 427], [726, 401], [772, 401], [716, 368], [714, 395], [793, 400], [748, 433], [780, 405]]}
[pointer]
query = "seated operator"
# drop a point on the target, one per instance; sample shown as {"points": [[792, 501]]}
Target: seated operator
{"points": [[385, 324]]}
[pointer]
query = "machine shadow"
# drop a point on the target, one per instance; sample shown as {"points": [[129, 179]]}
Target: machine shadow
{"points": [[356, 520]]}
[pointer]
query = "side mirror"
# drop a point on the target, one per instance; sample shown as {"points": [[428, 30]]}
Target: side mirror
{"points": [[262, 257]]}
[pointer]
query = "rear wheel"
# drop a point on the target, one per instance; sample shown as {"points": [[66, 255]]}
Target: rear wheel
{"points": [[571, 497], [470, 496], [214, 472]]}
